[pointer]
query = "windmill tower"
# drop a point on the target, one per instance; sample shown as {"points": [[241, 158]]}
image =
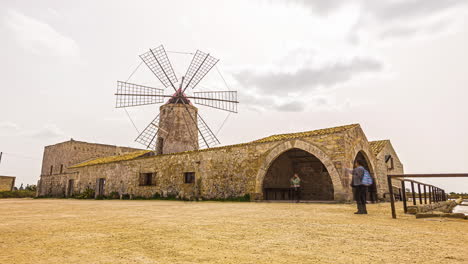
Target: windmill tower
{"points": [[178, 126]]}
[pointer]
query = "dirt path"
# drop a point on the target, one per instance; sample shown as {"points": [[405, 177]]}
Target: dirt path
{"points": [[79, 231]]}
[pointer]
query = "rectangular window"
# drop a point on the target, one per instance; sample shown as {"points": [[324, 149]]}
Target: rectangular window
{"points": [[189, 177], [147, 179], [61, 168], [389, 162], [51, 169]]}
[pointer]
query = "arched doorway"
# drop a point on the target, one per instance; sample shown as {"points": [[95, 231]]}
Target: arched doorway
{"points": [[316, 182], [372, 190]]}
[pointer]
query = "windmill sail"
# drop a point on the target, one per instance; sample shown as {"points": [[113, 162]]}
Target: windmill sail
{"points": [[206, 137], [223, 100], [157, 61], [201, 64], [130, 94], [149, 136]]}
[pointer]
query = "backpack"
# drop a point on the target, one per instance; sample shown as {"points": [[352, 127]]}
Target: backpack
{"points": [[366, 178]]}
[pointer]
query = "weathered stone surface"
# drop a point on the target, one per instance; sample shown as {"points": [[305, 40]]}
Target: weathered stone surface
{"points": [[449, 215], [178, 128], [445, 206], [57, 158], [7, 183], [231, 171]]}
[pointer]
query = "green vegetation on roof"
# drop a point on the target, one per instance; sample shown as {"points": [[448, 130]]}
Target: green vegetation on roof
{"points": [[109, 159], [317, 132], [378, 145]]}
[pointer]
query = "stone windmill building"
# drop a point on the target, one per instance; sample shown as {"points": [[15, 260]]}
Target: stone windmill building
{"points": [[176, 165], [260, 169]]}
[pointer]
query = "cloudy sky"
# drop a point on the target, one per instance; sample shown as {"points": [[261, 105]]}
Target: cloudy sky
{"points": [[399, 68]]}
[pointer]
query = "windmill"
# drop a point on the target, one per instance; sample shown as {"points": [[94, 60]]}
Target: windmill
{"points": [[178, 126]]}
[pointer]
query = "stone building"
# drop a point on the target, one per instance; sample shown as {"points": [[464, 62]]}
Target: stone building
{"points": [[260, 169], [7, 183], [57, 158]]}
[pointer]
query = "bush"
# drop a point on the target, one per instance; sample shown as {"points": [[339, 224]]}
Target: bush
{"points": [[245, 198], [114, 195], [88, 193], [18, 194]]}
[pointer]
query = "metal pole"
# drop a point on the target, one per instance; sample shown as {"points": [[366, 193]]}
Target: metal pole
{"points": [[419, 193], [403, 197], [425, 194], [413, 193], [392, 199]]}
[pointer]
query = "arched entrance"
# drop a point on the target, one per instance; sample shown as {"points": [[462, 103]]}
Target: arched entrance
{"points": [[372, 190], [316, 181]]}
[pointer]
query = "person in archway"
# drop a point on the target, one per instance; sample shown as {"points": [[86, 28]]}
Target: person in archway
{"points": [[360, 190], [296, 187]]}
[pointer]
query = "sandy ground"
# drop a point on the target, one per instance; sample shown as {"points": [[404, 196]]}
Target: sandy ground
{"points": [[79, 231]]}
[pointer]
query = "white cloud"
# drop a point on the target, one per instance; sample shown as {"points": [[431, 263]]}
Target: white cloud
{"points": [[49, 131], [8, 128], [39, 37]]}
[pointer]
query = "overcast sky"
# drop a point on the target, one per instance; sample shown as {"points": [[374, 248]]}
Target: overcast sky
{"points": [[399, 68]]}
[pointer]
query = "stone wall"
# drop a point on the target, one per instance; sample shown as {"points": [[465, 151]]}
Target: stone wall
{"points": [[382, 168], [176, 117], [7, 183], [57, 158], [220, 172], [223, 172], [444, 206]]}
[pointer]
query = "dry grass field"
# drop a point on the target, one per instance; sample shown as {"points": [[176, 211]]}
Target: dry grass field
{"points": [[89, 231]]}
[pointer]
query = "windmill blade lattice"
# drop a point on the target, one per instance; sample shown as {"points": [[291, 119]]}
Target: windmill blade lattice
{"points": [[149, 135], [157, 61], [223, 100], [130, 94], [201, 64], [206, 137]]}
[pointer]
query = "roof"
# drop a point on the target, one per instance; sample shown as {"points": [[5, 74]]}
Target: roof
{"points": [[318, 132], [1, 176], [84, 142], [378, 145], [138, 154], [109, 159]]}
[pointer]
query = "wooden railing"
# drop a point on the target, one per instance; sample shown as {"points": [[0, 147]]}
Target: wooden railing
{"points": [[434, 194]]}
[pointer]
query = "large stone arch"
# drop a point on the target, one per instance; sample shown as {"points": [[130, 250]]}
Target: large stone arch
{"points": [[277, 150]]}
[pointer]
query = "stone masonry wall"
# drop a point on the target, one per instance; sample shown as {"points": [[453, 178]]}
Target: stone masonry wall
{"points": [[181, 118], [230, 171], [220, 173], [382, 169], [57, 158], [7, 183]]}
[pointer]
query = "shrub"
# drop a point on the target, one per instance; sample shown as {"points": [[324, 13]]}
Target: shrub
{"points": [[18, 194], [114, 195], [88, 193]]}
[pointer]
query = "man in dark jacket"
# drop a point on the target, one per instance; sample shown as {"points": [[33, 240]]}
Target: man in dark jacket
{"points": [[360, 190]]}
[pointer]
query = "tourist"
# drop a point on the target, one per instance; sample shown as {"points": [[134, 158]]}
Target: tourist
{"points": [[296, 187], [360, 190]]}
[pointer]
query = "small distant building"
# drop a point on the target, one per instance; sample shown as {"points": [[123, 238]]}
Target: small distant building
{"points": [[260, 169], [7, 183]]}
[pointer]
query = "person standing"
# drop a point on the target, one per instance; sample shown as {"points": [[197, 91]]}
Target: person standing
{"points": [[296, 187], [360, 190]]}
